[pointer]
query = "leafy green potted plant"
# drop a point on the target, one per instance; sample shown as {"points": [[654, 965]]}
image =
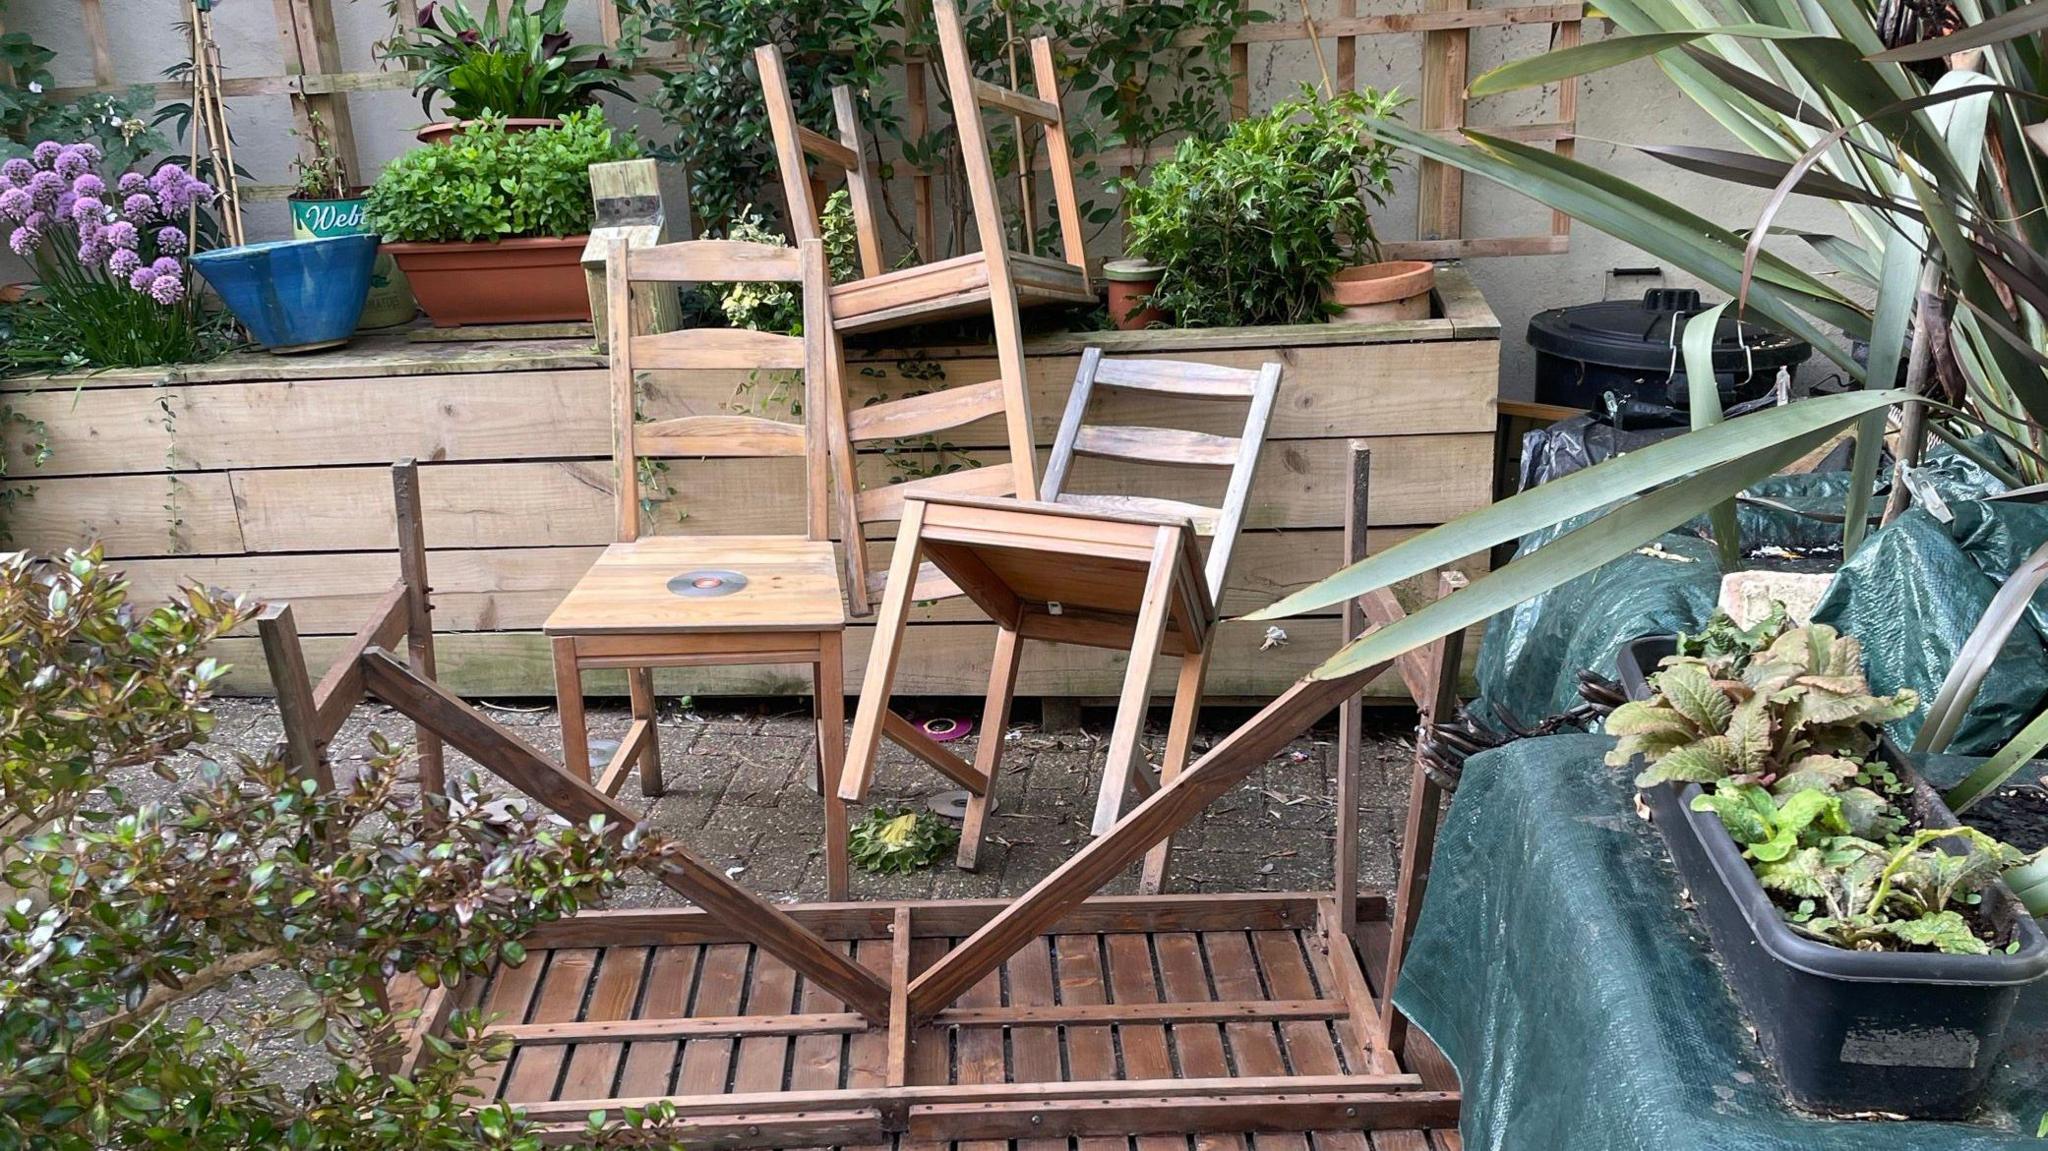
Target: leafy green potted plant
{"points": [[490, 228], [521, 66], [323, 204], [1867, 933], [1254, 226]]}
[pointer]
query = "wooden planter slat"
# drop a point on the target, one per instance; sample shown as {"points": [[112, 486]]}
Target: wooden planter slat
{"points": [[265, 474]]}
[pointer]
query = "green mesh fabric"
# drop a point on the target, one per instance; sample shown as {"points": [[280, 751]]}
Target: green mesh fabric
{"points": [[1914, 593], [1558, 967]]}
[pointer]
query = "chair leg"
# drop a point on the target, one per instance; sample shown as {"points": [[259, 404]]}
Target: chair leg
{"points": [[988, 750], [887, 644], [569, 702], [1180, 738], [640, 684], [1418, 849], [1146, 637], [829, 684]]}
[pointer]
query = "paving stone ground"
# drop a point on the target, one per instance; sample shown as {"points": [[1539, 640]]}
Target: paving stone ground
{"points": [[739, 793]]}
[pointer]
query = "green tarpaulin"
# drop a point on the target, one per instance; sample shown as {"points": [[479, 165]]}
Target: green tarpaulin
{"points": [[1558, 967]]}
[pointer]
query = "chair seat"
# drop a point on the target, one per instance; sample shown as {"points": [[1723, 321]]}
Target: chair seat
{"points": [[791, 584], [949, 288]]}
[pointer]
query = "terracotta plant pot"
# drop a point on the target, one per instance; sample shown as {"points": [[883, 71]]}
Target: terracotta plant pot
{"points": [[530, 280], [1131, 284], [1384, 292], [445, 130]]}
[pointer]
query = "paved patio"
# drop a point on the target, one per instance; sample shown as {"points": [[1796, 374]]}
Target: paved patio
{"points": [[739, 795]]}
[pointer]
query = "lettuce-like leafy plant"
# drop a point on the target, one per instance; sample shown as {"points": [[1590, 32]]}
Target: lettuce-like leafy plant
{"points": [[1779, 727], [1798, 709]]}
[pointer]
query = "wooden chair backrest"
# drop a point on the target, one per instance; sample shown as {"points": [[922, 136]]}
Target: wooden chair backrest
{"points": [[1171, 446], [970, 96], [702, 349], [796, 146]]}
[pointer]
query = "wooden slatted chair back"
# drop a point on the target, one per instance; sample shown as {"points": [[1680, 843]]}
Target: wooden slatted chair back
{"points": [[1042, 110], [1169, 446], [797, 146], [910, 418], [724, 436]]}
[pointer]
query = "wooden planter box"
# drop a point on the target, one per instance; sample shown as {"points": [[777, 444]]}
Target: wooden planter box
{"points": [[268, 475]]}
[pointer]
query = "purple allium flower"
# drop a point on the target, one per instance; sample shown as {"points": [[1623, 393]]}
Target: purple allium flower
{"points": [[140, 278], [17, 172], [169, 240], [123, 263], [66, 203], [140, 207], [132, 182], [90, 151], [46, 187], [46, 153], [176, 190], [94, 251], [71, 163], [15, 203], [167, 266], [89, 184], [122, 234], [167, 290], [86, 208], [25, 239]]}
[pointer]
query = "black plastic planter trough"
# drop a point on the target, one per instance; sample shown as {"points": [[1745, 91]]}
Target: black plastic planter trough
{"points": [[1909, 1033]]}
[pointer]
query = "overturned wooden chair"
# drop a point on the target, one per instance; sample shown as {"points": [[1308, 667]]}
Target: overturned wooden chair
{"points": [[1116, 571], [699, 601], [995, 277]]}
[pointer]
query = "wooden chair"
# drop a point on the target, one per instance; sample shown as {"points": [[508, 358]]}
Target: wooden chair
{"points": [[1113, 571], [697, 601], [993, 278]]}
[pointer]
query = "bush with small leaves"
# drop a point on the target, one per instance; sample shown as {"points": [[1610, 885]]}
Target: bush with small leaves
{"points": [[127, 918]]}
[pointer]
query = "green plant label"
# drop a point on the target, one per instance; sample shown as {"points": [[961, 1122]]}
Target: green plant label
{"points": [[317, 219]]}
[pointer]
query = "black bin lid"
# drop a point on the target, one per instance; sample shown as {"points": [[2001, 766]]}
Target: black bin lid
{"points": [[1637, 334]]}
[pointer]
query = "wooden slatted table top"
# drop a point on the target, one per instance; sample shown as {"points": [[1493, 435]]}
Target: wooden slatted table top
{"points": [[792, 585]]}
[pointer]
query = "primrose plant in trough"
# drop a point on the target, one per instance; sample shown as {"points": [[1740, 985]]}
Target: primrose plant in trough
{"points": [[1781, 731]]}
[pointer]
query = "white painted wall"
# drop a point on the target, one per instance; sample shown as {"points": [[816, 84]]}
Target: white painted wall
{"points": [[1633, 103]]}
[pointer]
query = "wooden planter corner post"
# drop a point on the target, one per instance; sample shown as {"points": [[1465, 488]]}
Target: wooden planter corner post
{"points": [[627, 196]]}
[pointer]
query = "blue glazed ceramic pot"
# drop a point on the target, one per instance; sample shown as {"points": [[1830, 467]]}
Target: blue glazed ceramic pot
{"points": [[294, 295]]}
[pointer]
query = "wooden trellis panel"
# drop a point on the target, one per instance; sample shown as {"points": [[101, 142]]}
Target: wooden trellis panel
{"points": [[315, 81]]}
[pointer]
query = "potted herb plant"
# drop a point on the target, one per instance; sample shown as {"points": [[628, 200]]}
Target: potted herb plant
{"points": [[491, 227], [324, 204], [1868, 934], [1253, 226], [520, 66]]}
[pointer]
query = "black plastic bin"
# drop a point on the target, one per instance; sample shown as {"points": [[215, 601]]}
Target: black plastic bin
{"points": [[1848, 1031], [1630, 348]]}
